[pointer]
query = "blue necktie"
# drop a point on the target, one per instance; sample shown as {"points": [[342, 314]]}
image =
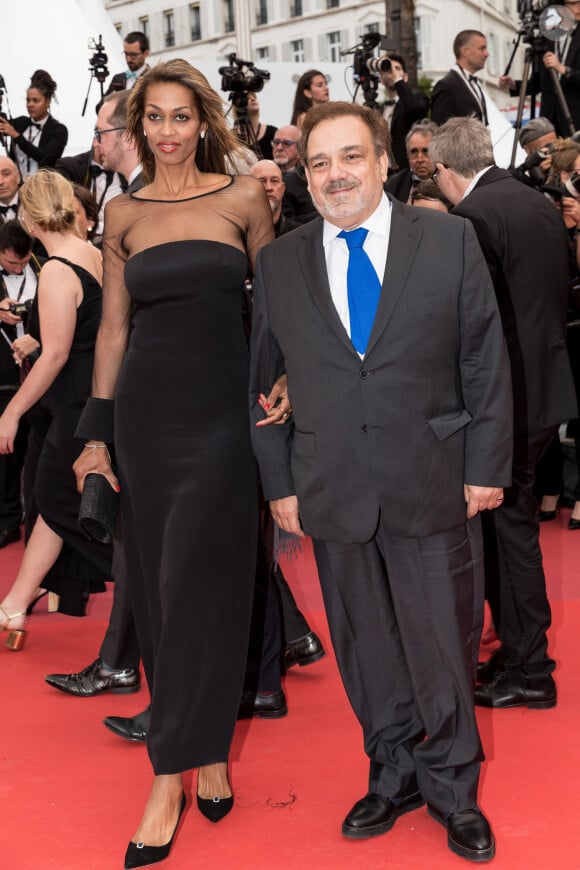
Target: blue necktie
{"points": [[363, 286]]}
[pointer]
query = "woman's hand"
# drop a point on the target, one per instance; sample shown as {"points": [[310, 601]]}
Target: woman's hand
{"points": [[8, 429], [7, 129], [23, 347], [95, 459], [276, 405]]}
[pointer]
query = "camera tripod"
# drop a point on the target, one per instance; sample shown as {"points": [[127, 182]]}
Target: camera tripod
{"points": [[242, 126], [532, 59]]}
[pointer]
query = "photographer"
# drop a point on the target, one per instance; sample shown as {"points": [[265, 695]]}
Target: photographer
{"points": [[37, 138], [565, 60], [538, 139], [402, 107]]}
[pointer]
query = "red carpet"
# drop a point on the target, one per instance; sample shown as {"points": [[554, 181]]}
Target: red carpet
{"points": [[71, 793]]}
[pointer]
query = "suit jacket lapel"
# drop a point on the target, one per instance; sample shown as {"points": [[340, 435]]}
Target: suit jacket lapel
{"points": [[404, 239], [313, 264]]}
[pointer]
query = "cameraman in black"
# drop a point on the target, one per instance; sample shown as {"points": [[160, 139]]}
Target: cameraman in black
{"points": [[538, 139], [402, 107], [18, 282]]}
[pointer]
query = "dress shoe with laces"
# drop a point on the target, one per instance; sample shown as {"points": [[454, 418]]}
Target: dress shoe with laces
{"points": [[302, 652], [130, 727], [374, 814], [469, 834], [265, 705], [9, 536], [505, 690], [96, 679]]}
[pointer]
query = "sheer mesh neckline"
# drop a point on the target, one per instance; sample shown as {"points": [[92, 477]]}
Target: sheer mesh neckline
{"points": [[187, 198]]}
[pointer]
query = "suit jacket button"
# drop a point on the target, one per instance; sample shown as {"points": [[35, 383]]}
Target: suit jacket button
{"points": [[364, 374], [364, 427]]}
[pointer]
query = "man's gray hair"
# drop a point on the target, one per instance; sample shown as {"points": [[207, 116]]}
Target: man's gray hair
{"points": [[425, 127], [462, 145]]}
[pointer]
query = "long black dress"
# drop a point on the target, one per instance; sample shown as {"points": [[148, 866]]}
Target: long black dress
{"points": [[187, 473], [83, 565]]}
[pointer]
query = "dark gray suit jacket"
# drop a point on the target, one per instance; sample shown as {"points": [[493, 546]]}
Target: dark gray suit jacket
{"points": [[428, 408]]}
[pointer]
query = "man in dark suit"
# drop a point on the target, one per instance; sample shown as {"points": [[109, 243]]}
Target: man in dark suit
{"points": [[459, 94], [136, 51], [9, 183], [564, 58], [391, 435], [524, 242], [402, 108], [402, 184]]}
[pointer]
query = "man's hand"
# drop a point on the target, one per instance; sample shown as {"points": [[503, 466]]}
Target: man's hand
{"points": [[23, 347], [6, 315], [482, 498], [286, 514], [551, 62], [507, 83]]}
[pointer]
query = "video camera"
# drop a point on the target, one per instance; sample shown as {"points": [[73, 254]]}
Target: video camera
{"points": [[241, 76], [98, 62]]}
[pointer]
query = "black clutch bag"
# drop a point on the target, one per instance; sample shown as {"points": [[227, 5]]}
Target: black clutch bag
{"points": [[98, 510]]}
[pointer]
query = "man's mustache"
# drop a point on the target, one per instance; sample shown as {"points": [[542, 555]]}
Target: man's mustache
{"points": [[332, 186]]}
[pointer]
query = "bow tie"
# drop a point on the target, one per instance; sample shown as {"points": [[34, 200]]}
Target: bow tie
{"points": [[389, 102], [4, 209], [95, 170], [130, 74], [473, 79], [4, 273], [34, 124]]}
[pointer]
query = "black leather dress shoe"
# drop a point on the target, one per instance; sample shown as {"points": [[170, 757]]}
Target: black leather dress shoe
{"points": [[303, 652], [468, 833], [9, 536], [537, 693], [374, 815], [130, 727], [265, 706], [489, 670], [95, 679], [573, 524]]}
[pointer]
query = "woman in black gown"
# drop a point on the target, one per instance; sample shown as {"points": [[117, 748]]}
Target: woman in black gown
{"points": [[176, 255], [69, 308]]}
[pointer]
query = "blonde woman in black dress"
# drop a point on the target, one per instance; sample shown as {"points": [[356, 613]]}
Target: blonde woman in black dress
{"points": [[176, 255]]}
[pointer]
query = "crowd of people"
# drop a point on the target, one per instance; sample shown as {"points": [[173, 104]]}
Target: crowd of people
{"points": [[408, 373]]}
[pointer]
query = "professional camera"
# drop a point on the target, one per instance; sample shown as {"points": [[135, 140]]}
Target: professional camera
{"points": [[98, 62], [20, 309], [568, 188], [366, 68], [241, 76]]}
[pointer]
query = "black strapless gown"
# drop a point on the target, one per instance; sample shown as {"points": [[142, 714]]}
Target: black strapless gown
{"points": [[188, 493]]}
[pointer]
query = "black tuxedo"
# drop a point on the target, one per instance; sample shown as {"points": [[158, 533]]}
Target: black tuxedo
{"points": [[570, 83], [50, 145], [410, 107], [297, 203], [377, 452], [452, 98], [525, 244], [400, 185], [76, 168]]}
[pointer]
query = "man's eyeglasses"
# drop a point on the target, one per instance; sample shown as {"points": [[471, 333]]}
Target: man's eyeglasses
{"points": [[436, 172], [288, 142], [132, 55], [98, 134]]}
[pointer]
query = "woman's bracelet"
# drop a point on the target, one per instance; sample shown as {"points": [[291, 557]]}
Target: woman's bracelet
{"points": [[103, 446]]}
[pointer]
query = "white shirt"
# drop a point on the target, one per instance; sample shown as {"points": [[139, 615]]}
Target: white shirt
{"points": [[474, 181], [27, 165], [376, 244]]}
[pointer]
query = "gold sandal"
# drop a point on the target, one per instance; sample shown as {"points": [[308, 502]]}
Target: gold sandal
{"points": [[16, 636]]}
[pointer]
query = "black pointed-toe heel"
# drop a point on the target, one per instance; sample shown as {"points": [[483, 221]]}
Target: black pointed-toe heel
{"points": [[215, 808], [140, 854]]}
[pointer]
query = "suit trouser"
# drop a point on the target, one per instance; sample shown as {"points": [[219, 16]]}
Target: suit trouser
{"points": [[405, 617], [515, 580], [10, 472], [120, 648]]}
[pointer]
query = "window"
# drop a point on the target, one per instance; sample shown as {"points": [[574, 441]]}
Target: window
{"points": [[372, 28], [332, 4], [262, 16], [229, 23], [493, 63], [169, 28], [297, 54], [296, 9], [263, 53], [195, 22], [507, 7], [144, 26], [333, 46], [119, 28]]}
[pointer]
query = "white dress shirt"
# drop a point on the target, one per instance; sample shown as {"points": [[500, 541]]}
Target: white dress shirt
{"points": [[375, 245]]}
